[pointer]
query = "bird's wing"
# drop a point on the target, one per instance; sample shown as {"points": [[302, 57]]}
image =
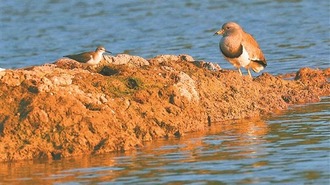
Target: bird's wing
{"points": [[253, 49], [82, 57]]}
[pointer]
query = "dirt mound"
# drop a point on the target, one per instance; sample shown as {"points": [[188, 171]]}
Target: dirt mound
{"points": [[68, 109]]}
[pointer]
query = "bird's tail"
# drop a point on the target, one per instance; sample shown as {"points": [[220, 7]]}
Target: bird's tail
{"points": [[257, 65]]}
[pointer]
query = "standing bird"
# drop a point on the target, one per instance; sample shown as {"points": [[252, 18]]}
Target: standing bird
{"points": [[90, 58], [240, 48]]}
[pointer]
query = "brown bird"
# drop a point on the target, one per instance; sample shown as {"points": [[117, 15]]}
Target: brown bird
{"points": [[90, 58], [240, 48]]}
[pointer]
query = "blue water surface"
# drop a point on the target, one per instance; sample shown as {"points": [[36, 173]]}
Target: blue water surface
{"points": [[292, 34]]}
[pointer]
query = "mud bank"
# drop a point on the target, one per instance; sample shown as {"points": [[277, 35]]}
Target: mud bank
{"points": [[66, 109]]}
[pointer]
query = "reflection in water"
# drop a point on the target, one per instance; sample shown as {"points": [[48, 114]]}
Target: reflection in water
{"points": [[200, 152]]}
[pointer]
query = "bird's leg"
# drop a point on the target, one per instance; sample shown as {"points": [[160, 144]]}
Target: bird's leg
{"points": [[240, 72], [248, 69]]}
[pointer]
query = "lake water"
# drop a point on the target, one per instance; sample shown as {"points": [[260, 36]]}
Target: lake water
{"points": [[292, 148], [292, 33]]}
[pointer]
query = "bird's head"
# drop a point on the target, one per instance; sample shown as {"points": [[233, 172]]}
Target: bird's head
{"points": [[101, 49], [228, 28]]}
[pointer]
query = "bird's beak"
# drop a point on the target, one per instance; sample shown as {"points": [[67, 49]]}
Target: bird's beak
{"points": [[220, 32], [108, 51]]}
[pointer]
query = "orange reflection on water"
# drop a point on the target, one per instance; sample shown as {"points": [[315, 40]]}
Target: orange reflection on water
{"points": [[234, 140], [226, 140]]}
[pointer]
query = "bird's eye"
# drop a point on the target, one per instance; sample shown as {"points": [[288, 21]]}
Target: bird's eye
{"points": [[227, 27]]}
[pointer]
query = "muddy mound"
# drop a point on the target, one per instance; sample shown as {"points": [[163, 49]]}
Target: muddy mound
{"points": [[67, 109]]}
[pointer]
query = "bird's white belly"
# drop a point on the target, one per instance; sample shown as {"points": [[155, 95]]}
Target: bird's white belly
{"points": [[94, 61], [91, 62], [241, 61], [244, 60]]}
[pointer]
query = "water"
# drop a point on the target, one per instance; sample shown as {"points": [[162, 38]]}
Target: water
{"points": [[292, 34], [292, 148]]}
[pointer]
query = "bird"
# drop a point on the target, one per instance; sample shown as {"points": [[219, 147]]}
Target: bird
{"points": [[90, 58], [240, 48]]}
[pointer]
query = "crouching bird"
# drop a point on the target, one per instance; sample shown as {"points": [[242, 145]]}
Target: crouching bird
{"points": [[90, 58]]}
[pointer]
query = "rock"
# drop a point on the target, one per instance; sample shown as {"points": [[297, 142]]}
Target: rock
{"points": [[65, 109], [163, 59], [66, 63], [308, 75], [186, 87], [125, 59], [208, 65]]}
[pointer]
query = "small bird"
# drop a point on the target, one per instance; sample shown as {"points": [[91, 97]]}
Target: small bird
{"points": [[240, 48], [90, 58]]}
